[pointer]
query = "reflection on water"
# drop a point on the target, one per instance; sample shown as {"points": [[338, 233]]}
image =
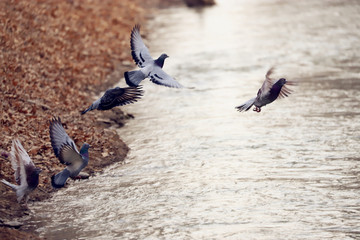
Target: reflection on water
{"points": [[199, 169]]}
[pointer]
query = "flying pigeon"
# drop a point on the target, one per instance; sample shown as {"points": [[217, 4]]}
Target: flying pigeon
{"points": [[26, 174], [116, 97], [65, 150], [269, 92], [149, 68]]}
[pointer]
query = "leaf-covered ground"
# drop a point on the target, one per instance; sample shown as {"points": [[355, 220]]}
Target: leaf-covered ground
{"points": [[55, 57]]}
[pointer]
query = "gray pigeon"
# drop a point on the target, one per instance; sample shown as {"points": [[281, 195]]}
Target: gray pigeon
{"points": [[269, 92], [116, 97], [65, 150], [150, 68], [26, 174]]}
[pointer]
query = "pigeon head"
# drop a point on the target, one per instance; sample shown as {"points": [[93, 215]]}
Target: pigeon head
{"points": [[35, 177], [278, 85], [37, 171], [164, 55], [84, 149], [281, 81], [160, 61]]}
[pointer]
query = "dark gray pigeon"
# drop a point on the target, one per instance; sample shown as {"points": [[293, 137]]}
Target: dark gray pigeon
{"points": [[150, 68], [65, 150], [26, 174], [269, 92], [116, 97]]}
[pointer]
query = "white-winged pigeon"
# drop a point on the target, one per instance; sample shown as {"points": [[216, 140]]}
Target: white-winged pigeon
{"points": [[149, 68], [26, 174]]}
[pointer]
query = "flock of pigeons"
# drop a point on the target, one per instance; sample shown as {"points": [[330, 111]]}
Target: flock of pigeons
{"points": [[27, 174]]}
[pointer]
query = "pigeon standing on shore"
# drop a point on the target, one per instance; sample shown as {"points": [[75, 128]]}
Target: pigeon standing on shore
{"points": [[65, 150], [149, 68], [116, 97], [26, 174], [269, 92]]}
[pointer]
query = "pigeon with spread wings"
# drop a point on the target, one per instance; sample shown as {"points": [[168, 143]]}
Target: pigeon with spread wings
{"points": [[26, 174], [269, 92], [116, 97], [65, 150], [149, 68]]}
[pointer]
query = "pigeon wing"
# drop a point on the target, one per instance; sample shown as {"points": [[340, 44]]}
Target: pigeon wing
{"points": [[15, 162], [284, 92], [20, 159], [59, 137], [265, 88], [158, 76], [139, 51], [119, 97], [70, 157], [20, 162]]}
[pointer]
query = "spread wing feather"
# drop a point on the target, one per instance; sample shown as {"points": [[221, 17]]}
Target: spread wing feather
{"points": [[70, 156], [19, 158], [120, 96], [284, 92], [59, 137], [158, 76], [265, 88], [139, 51]]}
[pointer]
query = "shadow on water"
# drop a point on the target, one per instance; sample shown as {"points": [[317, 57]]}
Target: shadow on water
{"points": [[200, 169]]}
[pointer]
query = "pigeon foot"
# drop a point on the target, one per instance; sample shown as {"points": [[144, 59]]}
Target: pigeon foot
{"points": [[257, 109]]}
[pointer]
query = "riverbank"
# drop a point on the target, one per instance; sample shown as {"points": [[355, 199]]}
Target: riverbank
{"points": [[56, 56]]}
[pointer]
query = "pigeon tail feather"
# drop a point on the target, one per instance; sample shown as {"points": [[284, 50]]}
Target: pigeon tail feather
{"points": [[21, 191], [133, 78], [85, 111], [13, 186], [246, 106], [59, 180]]}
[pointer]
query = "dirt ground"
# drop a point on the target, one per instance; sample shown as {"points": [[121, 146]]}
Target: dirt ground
{"points": [[55, 57]]}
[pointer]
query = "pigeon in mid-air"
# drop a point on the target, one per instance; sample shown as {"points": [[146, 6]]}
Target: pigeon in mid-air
{"points": [[65, 150], [149, 68], [116, 97], [269, 92], [26, 174]]}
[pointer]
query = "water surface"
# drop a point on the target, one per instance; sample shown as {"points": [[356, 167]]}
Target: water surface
{"points": [[198, 169]]}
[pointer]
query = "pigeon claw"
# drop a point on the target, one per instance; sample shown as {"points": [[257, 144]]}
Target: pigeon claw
{"points": [[257, 109]]}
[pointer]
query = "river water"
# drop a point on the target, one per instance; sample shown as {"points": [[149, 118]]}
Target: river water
{"points": [[198, 169]]}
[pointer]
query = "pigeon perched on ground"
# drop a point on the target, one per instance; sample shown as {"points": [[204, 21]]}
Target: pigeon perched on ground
{"points": [[269, 91], [116, 97], [150, 68], [65, 150], [26, 174]]}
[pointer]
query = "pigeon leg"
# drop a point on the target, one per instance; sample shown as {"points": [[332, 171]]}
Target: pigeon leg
{"points": [[257, 109], [76, 178], [26, 200]]}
